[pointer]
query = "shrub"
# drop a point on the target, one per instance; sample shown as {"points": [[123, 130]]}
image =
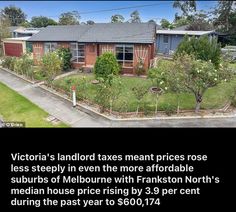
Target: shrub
{"points": [[65, 55], [139, 69], [6, 62], [139, 93], [51, 65], [202, 48], [106, 65]]}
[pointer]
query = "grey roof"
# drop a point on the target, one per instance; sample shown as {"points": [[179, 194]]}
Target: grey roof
{"points": [[100, 33], [184, 27]]}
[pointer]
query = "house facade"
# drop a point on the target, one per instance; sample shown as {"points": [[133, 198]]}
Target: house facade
{"points": [[168, 40], [130, 43]]}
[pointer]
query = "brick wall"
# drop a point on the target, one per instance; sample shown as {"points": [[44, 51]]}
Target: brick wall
{"points": [[38, 51], [90, 54]]}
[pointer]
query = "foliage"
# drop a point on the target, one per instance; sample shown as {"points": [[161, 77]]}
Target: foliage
{"points": [[15, 15], [152, 21], [186, 7], [42, 21], [139, 93], [165, 24], [90, 22], [117, 19], [7, 62], [69, 18], [202, 48], [81, 88], [65, 55], [139, 69], [135, 17], [198, 75], [51, 65], [105, 65]]}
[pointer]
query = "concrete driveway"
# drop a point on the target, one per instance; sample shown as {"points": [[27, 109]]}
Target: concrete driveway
{"points": [[64, 111]]}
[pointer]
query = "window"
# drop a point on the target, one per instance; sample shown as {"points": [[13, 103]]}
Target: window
{"points": [[125, 54], [50, 47], [77, 51], [166, 39]]}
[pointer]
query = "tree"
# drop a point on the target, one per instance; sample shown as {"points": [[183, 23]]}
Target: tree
{"points": [[200, 22], [139, 92], [42, 21], [152, 21], [51, 65], [14, 14], [187, 7], [26, 24], [165, 24], [4, 31], [135, 18], [90, 22], [202, 48], [69, 18], [181, 20], [117, 19], [106, 65], [66, 56], [222, 14], [198, 76]]}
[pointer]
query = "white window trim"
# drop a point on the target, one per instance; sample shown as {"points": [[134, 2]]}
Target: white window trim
{"points": [[126, 61], [50, 46], [77, 56]]}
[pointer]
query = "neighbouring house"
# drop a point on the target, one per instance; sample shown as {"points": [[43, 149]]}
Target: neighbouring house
{"points": [[168, 40], [16, 46], [18, 31], [129, 42]]}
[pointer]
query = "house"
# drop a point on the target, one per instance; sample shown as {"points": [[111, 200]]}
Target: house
{"points": [[15, 47], [129, 42], [168, 40], [18, 31]]}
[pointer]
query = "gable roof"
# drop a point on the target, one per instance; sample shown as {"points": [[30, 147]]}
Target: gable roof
{"points": [[183, 32], [99, 33]]}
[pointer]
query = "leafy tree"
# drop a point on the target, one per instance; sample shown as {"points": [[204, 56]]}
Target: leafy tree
{"points": [[139, 93], [26, 24], [222, 14], [165, 24], [152, 21], [66, 56], [42, 21], [181, 20], [90, 22], [69, 18], [14, 14], [200, 22], [106, 65], [198, 75], [135, 18], [202, 48], [4, 30], [51, 65], [186, 7], [117, 19]]}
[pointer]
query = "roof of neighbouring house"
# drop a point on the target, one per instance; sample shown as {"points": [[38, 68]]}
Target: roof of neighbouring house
{"points": [[183, 32], [17, 39], [27, 30], [100, 33]]}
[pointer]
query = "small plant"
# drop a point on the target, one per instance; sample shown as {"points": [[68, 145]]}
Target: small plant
{"points": [[106, 65], [140, 67], [65, 55], [139, 93]]}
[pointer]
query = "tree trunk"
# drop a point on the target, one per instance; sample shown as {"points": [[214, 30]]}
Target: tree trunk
{"points": [[137, 109], [156, 103], [177, 104], [198, 102]]}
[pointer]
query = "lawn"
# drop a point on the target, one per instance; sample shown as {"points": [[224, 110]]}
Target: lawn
{"points": [[214, 98], [14, 107]]}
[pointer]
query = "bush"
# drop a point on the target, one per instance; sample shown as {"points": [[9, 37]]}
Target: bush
{"points": [[66, 56], [51, 65], [6, 62], [202, 48], [106, 65]]}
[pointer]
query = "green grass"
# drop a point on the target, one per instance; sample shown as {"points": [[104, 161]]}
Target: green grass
{"points": [[14, 107], [214, 98]]}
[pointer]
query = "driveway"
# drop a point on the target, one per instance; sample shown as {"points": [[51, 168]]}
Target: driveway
{"points": [[64, 111]]}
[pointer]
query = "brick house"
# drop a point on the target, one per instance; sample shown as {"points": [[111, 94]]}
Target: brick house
{"points": [[130, 42]]}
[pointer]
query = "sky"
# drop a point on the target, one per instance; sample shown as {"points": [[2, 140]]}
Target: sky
{"points": [[157, 9]]}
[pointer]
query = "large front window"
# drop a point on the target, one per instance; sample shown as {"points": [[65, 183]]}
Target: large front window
{"points": [[77, 51], [125, 54], [50, 47]]}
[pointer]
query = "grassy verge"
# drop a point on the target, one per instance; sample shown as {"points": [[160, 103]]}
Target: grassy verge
{"points": [[14, 107]]}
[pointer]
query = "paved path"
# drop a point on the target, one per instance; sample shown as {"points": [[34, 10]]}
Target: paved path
{"points": [[63, 110]]}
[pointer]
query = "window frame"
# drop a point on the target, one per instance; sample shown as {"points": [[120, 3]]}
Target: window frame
{"points": [[124, 61], [165, 36], [77, 57], [50, 49]]}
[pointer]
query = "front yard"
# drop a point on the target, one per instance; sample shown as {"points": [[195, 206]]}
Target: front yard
{"points": [[215, 98], [14, 107]]}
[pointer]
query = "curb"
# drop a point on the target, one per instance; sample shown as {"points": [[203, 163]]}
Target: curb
{"points": [[96, 114]]}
